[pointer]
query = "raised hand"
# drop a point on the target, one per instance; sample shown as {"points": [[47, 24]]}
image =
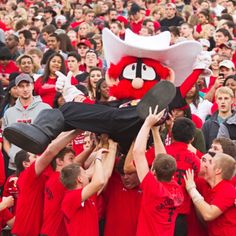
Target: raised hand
{"points": [[154, 117], [189, 180]]}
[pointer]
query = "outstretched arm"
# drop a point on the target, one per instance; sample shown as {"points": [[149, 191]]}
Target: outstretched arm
{"points": [[207, 211], [141, 143], [129, 161], [158, 144], [98, 178], [53, 149]]}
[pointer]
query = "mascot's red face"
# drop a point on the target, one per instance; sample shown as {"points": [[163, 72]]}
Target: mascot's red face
{"points": [[136, 76]]}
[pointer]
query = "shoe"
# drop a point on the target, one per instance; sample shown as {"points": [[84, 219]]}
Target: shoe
{"points": [[161, 94], [36, 137]]}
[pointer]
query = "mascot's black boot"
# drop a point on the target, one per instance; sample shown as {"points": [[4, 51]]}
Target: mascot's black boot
{"points": [[35, 137], [161, 94]]}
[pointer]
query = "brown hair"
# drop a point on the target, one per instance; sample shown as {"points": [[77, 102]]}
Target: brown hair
{"points": [[69, 175], [227, 145], [227, 164], [164, 166], [61, 156]]}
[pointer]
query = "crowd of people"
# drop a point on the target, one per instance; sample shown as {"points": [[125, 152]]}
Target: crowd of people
{"points": [[179, 182]]}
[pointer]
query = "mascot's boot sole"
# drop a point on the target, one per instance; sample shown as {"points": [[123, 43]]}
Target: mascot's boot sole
{"points": [[16, 134], [161, 94], [36, 137]]}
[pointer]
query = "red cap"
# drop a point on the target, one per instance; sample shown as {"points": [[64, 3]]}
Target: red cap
{"points": [[85, 42], [122, 19]]}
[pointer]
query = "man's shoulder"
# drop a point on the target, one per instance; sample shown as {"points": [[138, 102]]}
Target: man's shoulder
{"points": [[37, 102]]}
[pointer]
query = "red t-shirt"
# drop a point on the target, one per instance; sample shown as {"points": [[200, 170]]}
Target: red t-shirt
{"points": [[10, 189], [158, 207], [53, 219], [223, 196], [81, 218], [2, 170], [5, 216], [121, 208], [47, 91], [29, 209], [136, 26], [185, 160], [11, 67]]}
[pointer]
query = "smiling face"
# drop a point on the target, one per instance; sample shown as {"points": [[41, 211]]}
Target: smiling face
{"points": [[95, 75], [55, 65]]}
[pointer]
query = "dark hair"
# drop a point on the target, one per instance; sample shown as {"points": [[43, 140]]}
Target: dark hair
{"points": [[89, 82], [183, 130], [164, 167], [49, 29], [34, 28], [27, 34], [55, 100], [229, 77], [47, 70], [5, 53], [225, 32], [21, 156], [65, 43], [75, 55], [20, 24], [54, 35], [228, 146], [206, 13], [226, 16], [8, 100], [61, 156], [196, 97], [230, 24], [98, 89], [174, 30]]}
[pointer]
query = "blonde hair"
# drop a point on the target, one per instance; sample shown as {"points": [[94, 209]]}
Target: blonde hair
{"points": [[225, 90], [227, 164]]}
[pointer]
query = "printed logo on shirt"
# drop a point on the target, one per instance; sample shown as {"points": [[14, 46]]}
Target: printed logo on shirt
{"points": [[49, 194], [27, 121], [168, 204], [179, 176], [48, 86]]}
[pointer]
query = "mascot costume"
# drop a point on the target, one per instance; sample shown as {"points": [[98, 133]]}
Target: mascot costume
{"points": [[143, 72]]}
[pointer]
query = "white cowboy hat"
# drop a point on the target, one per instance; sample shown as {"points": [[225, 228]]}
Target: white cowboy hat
{"points": [[180, 57]]}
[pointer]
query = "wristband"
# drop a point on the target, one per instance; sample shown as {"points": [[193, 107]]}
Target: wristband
{"points": [[195, 195]]}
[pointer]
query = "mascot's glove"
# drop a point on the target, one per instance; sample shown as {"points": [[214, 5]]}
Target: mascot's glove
{"points": [[203, 61], [64, 86]]}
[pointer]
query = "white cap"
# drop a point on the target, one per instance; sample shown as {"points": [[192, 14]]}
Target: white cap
{"points": [[38, 17], [60, 18], [204, 42], [228, 64]]}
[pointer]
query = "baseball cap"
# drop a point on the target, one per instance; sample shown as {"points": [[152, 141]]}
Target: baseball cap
{"points": [[85, 42], [172, 5], [61, 19], [38, 17], [204, 42], [23, 77], [227, 44], [228, 64], [122, 19]]}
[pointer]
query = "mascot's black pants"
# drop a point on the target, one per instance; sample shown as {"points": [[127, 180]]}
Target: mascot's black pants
{"points": [[121, 124]]}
